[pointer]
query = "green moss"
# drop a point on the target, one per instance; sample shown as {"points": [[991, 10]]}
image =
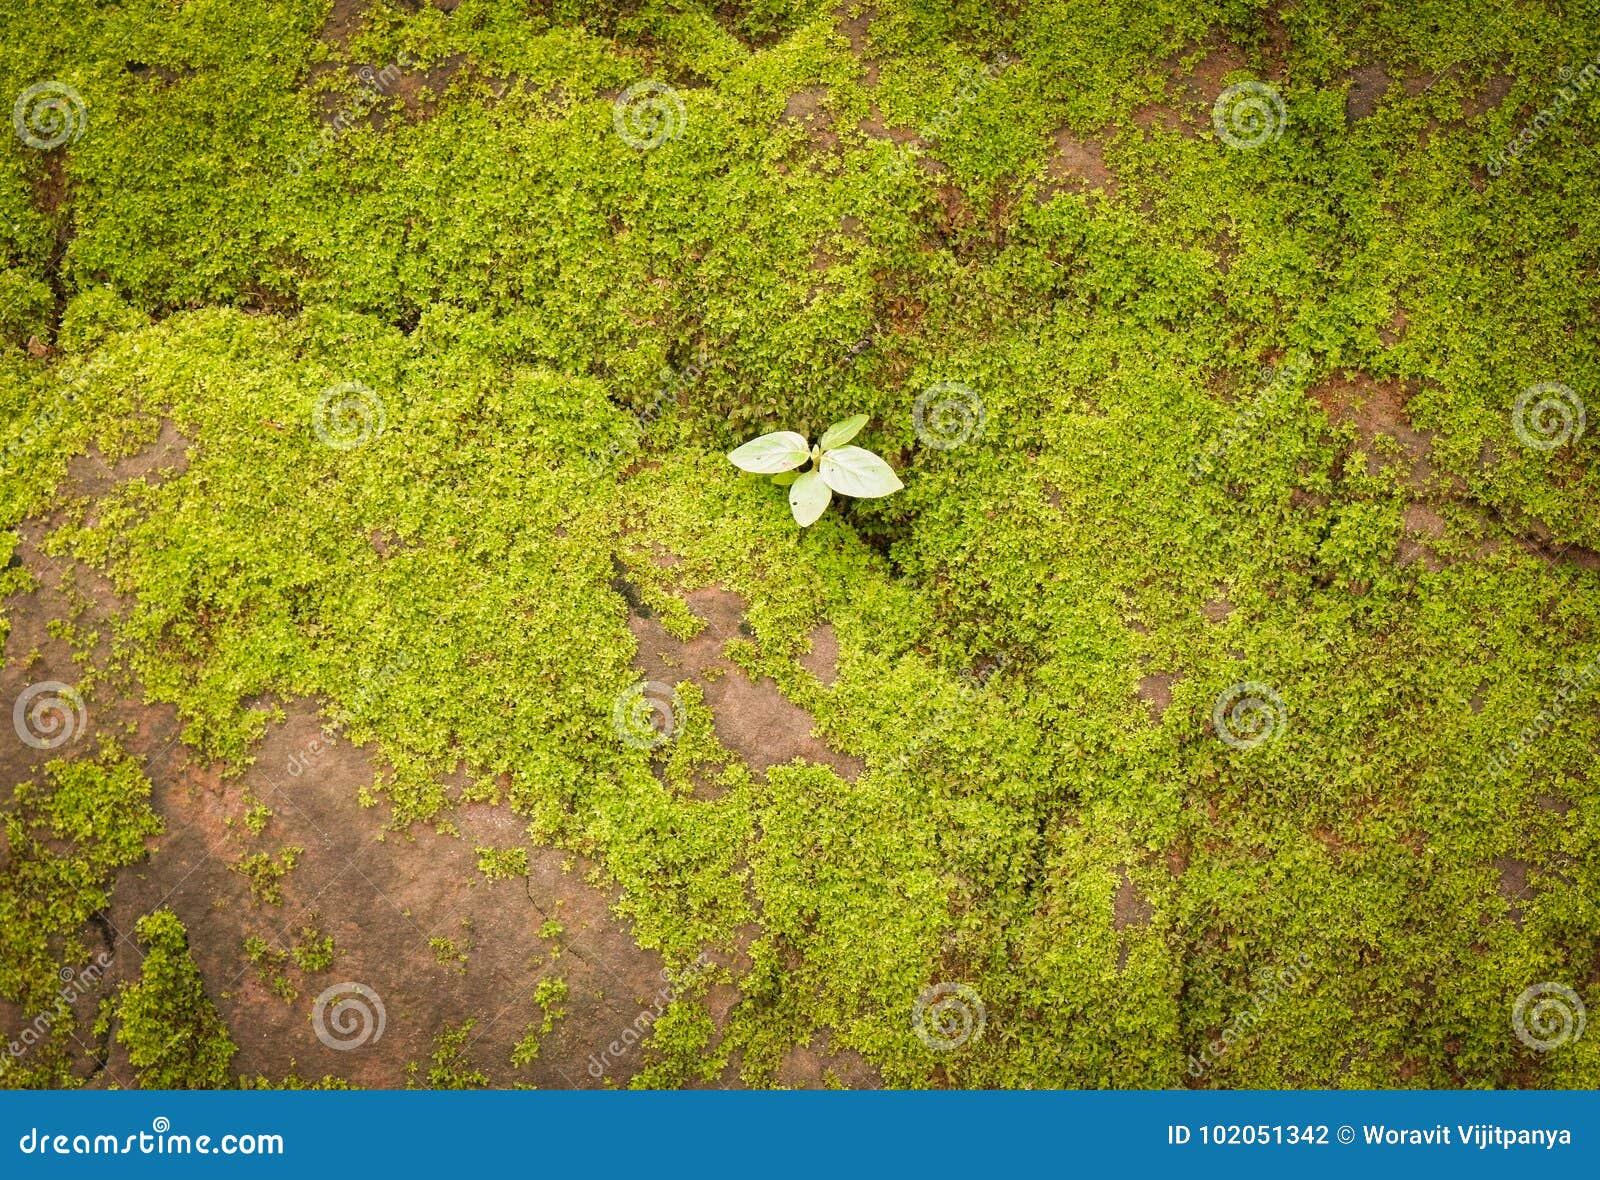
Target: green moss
{"points": [[257, 815], [166, 1022], [502, 864], [551, 994], [313, 950], [266, 872], [447, 954], [565, 344], [449, 1068], [294, 1082], [66, 838]]}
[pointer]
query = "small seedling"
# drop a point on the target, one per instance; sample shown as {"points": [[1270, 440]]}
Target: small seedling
{"points": [[850, 471]]}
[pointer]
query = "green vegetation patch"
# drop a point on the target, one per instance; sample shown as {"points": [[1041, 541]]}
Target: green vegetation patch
{"points": [[1182, 425]]}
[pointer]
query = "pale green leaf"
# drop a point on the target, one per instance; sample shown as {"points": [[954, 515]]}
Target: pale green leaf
{"points": [[784, 478], [842, 432], [808, 498], [854, 471], [771, 453]]}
